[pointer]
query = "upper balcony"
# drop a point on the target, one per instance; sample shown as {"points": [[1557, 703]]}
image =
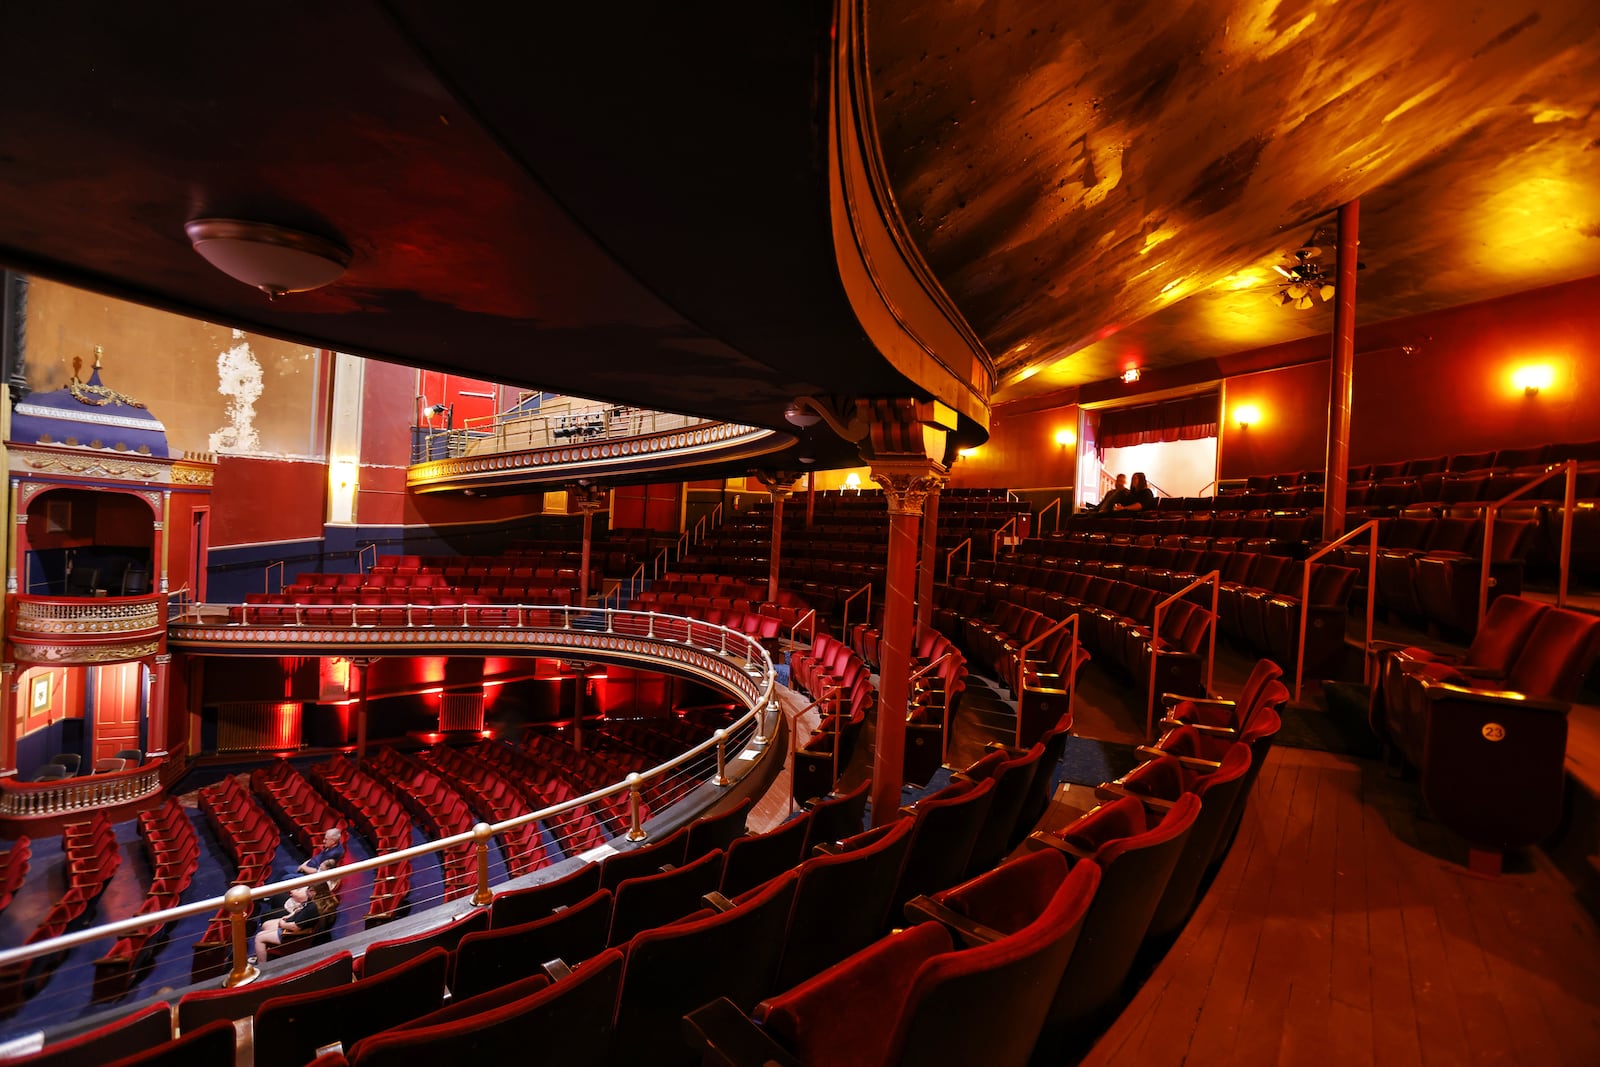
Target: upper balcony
{"points": [[101, 629], [571, 439]]}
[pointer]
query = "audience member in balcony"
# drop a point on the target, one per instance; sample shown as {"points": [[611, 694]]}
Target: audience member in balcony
{"points": [[300, 915], [331, 854], [1117, 494], [1139, 496]]}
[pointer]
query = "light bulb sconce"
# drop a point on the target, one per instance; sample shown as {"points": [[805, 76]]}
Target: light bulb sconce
{"points": [[1066, 438], [1245, 415], [1532, 377]]}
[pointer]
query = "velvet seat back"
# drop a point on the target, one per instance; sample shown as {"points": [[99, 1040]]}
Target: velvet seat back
{"points": [[505, 954], [652, 899], [290, 1029], [758, 857], [1558, 652], [841, 903], [517, 906], [568, 1022], [947, 824]]}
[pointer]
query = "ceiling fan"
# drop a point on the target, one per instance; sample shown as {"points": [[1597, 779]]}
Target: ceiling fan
{"points": [[1308, 276]]}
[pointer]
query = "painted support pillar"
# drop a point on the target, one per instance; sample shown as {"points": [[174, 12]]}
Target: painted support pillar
{"points": [[811, 497], [906, 482], [18, 537], [577, 705], [360, 667], [779, 485], [162, 541], [156, 730], [930, 561], [589, 499], [8, 712], [1341, 374]]}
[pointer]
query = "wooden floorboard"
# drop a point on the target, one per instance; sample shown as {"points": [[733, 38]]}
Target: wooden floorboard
{"points": [[1344, 928]]}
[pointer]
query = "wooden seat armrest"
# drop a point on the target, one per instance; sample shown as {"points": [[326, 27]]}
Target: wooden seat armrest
{"points": [[717, 902], [1001, 746], [1214, 731], [1502, 698], [1198, 764], [828, 848], [1059, 845], [1172, 699], [1148, 752], [725, 1036], [1110, 791], [968, 932], [556, 969]]}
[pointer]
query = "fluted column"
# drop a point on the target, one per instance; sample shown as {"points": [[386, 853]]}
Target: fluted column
{"points": [[930, 560], [906, 483]]}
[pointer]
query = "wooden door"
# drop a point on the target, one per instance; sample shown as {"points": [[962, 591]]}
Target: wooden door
{"points": [[116, 708]]}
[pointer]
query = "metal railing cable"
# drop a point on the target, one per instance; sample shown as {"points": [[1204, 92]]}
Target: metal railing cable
{"points": [[626, 801]]}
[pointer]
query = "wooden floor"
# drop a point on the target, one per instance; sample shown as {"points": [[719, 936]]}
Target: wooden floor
{"points": [[1343, 928]]}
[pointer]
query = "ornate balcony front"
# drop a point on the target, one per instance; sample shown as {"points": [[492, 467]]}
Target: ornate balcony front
{"points": [[64, 630], [514, 455]]}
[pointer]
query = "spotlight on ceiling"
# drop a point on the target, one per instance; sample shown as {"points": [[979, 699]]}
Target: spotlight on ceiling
{"points": [[1130, 375], [270, 258], [800, 416]]}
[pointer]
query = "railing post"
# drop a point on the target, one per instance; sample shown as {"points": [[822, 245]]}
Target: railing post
{"points": [[722, 778], [635, 809], [237, 901], [484, 895]]}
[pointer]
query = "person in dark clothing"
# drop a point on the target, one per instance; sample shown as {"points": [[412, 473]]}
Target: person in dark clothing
{"points": [[1139, 496], [331, 854], [1117, 494], [305, 906]]}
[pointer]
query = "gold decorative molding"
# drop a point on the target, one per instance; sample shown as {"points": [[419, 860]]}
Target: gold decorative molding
{"points": [[186, 474], [88, 465], [27, 652], [907, 483]]}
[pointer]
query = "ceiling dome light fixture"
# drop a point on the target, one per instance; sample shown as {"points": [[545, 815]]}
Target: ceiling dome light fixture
{"points": [[801, 416], [270, 258]]}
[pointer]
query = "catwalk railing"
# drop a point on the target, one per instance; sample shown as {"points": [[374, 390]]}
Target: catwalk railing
{"points": [[743, 742]]}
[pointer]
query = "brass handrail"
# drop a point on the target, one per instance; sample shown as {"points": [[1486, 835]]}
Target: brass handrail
{"points": [[811, 634], [362, 566], [994, 538], [266, 576], [1072, 674], [763, 704], [658, 565], [1211, 578], [1056, 503], [844, 622], [951, 555], [944, 702], [1569, 501], [1371, 528]]}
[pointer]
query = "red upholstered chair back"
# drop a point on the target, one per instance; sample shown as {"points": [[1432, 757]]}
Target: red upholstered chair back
{"points": [[836, 817], [1502, 634], [1013, 777], [1557, 654], [568, 1022], [652, 899], [909, 999], [134, 1033], [1136, 867], [518, 906], [947, 825], [507, 953], [290, 1029], [667, 973], [842, 902]]}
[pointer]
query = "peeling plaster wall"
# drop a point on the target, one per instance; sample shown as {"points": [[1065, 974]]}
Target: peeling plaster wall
{"points": [[215, 388]]}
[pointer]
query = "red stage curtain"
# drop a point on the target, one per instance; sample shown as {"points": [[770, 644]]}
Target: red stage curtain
{"points": [[1187, 419]]}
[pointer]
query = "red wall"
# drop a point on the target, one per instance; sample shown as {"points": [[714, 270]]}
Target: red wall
{"points": [[1452, 394], [267, 500], [1021, 452], [648, 507]]}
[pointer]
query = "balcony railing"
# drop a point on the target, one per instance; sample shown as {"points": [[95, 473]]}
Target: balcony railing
{"points": [[23, 800], [88, 617], [709, 762]]}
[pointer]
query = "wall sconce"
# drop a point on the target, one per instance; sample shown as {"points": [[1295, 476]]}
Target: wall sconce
{"points": [[1532, 377], [1245, 414], [967, 452], [1066, 438], [852, 481], [1130, 375]]}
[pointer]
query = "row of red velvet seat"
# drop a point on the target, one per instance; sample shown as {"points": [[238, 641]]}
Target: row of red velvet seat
{"points": [[250, 837], [437, 807], [382, 820], [497, 799], [1258, 597], [1505, 459], [1487, 730], [174, 853], [298, 808], [576, 830], [14, 868], [92, 857]]}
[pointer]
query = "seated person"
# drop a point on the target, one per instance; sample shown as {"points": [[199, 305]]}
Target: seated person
{"points": [[1139, 496], [1117, 494], [331, 854], [300, 915]]}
